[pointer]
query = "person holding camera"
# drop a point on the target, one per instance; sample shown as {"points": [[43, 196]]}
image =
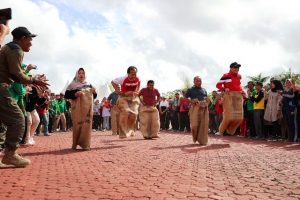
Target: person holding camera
{"points": [[11, 57]]}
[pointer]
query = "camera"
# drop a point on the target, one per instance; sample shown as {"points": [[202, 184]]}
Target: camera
{"points": [[5, 15]]}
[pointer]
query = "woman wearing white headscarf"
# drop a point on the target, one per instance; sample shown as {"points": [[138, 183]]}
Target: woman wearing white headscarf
{"points": [[81, 93]]}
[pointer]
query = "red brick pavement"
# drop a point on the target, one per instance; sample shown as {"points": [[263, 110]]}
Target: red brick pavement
{"points": [[171, 167]]}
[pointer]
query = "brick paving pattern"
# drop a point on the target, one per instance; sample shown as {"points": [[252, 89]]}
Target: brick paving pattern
{"points": [[171, 167]]}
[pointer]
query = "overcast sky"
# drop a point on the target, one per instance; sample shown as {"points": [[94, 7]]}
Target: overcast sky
{"points": [[168, 40]]}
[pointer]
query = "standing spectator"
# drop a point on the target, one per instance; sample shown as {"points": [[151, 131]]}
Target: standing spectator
{"points": [[33, 118], [53, 112], [297, 100], [244, 124], [96, 115], [213, 127], [105, 114], [68, 115], [175, 118], [259, 106], [289, 110], [273, 109], [163, 113], [250, 109], [184, 113], [42, 107], [219, 109], [61, 114], [114, 113]]}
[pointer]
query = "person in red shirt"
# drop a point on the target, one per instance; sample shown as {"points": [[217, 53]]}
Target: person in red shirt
{"points": [[127, 88], [230, 83], [149, 115]]}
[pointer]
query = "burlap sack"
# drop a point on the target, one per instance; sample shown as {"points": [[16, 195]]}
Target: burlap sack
{"points": [[233, 112], [149, 121], [115, 118], [199, 117], [82, 117], [128, 115]]}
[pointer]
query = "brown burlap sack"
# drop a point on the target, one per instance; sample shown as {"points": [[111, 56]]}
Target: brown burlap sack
{"points": [[149, 121], [115, 118], [82, 117], [128, 115], [199, 121], [233, 112]]}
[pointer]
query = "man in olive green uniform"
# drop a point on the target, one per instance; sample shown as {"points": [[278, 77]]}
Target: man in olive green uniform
{"points": [[11, 57]]}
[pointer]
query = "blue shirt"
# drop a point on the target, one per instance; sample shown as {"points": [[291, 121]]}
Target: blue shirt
{"points": [[113, 97], [196, 93]]}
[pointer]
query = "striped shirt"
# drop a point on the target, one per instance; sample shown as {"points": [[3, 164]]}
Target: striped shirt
{"points": [[231, 81]]}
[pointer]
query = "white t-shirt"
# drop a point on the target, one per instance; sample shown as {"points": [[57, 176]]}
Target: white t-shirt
{"points": [[119, 80], [164, 103]]}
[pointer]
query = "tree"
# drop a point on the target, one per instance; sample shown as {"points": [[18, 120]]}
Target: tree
{"points": [[288, 75], [258, 78]]}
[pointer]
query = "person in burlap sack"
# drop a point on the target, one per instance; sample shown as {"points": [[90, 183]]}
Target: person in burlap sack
{"points": [[127, 87], [82, 95], [114, 113], [149, 115], [198, 112], [230, 83]]}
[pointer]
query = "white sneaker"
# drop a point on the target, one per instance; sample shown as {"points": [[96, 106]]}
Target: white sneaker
{"points": [[218, 133], [31, 141]]}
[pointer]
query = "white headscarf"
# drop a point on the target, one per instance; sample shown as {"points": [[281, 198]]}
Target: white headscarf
{"points": [[76, 84]]}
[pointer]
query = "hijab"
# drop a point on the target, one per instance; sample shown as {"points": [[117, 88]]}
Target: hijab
{"points": [[76, 84], [278, 85]]}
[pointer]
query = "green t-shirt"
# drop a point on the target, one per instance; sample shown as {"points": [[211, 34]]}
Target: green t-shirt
{"points": [[249, 102]]}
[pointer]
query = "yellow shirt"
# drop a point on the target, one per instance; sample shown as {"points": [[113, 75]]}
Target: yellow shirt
{"points": [[259, 105]]}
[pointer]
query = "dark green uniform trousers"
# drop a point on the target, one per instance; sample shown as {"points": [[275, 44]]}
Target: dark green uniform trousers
{"points": [[11, 116]]}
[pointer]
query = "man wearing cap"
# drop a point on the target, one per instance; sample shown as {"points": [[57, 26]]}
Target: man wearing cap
{"points": [[230, 83], [11, 57]]}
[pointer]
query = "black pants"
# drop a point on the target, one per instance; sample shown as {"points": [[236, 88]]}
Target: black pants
{"points": [[250, 121], [184, 121], [164, 118], [96, 122]]}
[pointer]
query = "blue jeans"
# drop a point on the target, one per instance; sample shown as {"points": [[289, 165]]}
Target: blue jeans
{"points": [[43, 121], [106, 123]]}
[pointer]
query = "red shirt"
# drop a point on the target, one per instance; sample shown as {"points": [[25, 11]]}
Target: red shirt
{"points": [[184, 103], [149, 96], [231, 81], [219, 107], [128, 85], [42, 109]]}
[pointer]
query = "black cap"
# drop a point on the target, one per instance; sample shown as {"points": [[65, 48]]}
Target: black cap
{"points": [[235, 65], [20, 32]]}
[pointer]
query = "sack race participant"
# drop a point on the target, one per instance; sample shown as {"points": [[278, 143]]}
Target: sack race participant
{"points": [[198, 112], [82, 95], [233, 114], [114, 113], [127, 88], [149, 115]]}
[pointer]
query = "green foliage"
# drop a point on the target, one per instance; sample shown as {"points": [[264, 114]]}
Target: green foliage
{"points": [[258, 78], [288, 75]]}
